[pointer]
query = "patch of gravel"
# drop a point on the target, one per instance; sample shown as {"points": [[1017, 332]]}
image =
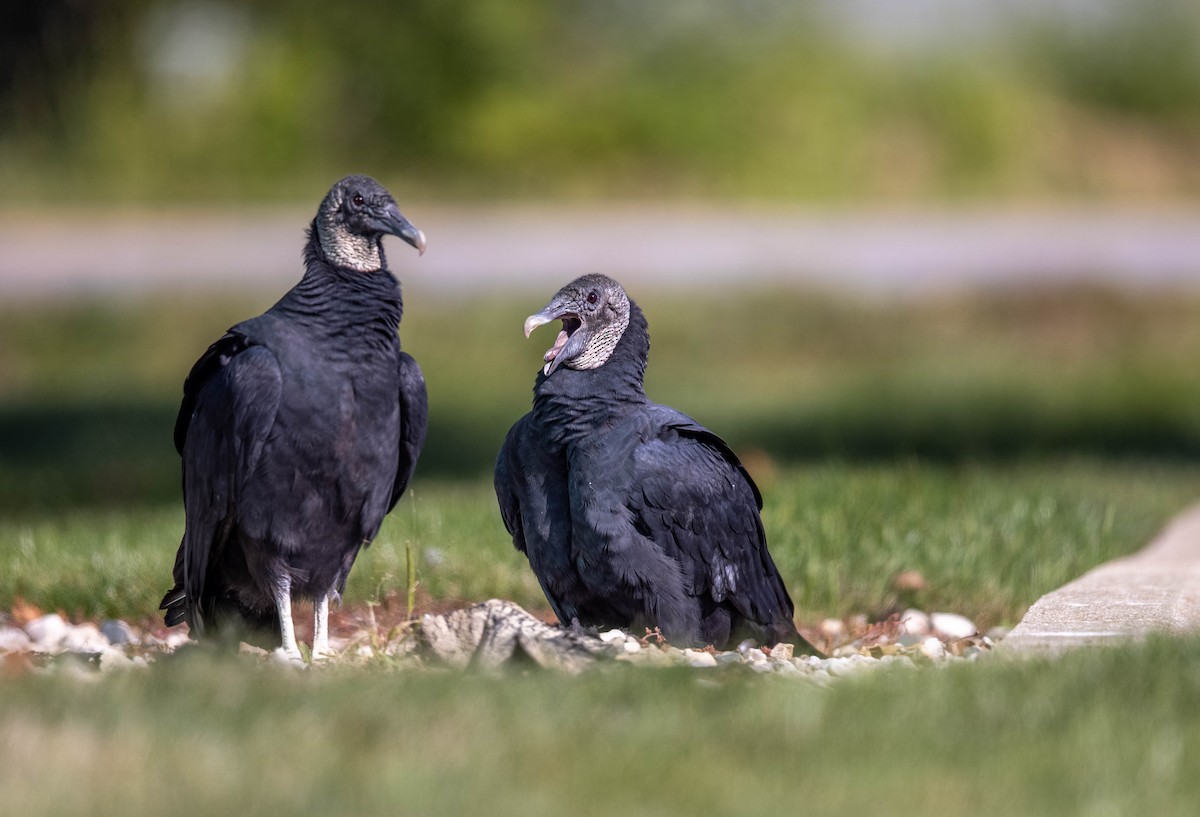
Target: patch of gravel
{"points": [[497, 635]]}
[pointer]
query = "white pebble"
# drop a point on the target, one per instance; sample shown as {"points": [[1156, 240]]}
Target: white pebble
{"points": [[175, 639], [47, 632], [842, 667], [782, 652], [611, 635], [13, 640], [113, 659], [631, 646], [747, 646], [915, 622], [699, 658], [85, 637], [951, 626], [833, 628], [933, 648]]}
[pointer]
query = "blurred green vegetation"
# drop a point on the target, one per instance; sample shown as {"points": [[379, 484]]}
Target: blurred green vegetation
{"points": [[90, 389], [1113, 731], [155, 100], [989, 540], [1000, 444]]}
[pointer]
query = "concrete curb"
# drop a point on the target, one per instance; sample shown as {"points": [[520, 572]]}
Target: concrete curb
{"points": [[1156, 590]]}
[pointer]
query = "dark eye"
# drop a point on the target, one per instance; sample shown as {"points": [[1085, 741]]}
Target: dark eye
{"points": [[358, 199], [593, 297]]}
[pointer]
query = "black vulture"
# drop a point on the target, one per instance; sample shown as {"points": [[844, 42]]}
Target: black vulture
{"points": [[631, 513], [299, 430]]}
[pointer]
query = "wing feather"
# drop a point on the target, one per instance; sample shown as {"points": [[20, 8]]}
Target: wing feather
{"points": [[698, 503], [230, 401], [414, 418]]}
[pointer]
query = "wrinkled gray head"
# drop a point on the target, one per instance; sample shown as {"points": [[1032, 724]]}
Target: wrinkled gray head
{"points": [[594, 311], [352, 220]]}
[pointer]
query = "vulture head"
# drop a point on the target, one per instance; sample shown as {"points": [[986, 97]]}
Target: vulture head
{"points": [[352, 220], [594, 311]]}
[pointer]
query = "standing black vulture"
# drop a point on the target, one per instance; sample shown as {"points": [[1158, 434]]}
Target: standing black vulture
{"points": [[631, 513], [299, 431]]}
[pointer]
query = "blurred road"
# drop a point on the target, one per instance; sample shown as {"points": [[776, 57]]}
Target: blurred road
{"points": [[886, 253]]}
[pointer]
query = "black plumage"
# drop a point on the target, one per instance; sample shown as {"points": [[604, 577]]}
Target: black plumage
{"points": [[631, 513], [299, 430]]}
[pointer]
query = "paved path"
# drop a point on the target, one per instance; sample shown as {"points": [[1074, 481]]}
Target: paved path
{"points": [[504, 247], [1154, 590]]}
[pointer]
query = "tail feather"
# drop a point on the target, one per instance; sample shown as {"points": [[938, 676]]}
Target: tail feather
{"points": [[175, 605]]}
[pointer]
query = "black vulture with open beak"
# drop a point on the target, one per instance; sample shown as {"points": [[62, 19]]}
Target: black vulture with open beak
{"points": [[632, 514], [299, 430]]}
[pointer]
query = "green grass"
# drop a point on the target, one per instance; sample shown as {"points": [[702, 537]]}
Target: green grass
{"points": [[89, 390], [988, 540], [999, 444], [1098, 732]]}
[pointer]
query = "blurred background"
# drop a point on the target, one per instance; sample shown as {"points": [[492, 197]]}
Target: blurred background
{"points": [[829, 102], [944, 233]]}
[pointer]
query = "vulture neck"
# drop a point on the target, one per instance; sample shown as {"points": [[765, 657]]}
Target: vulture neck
{"points": [[572, 403], [342, 302]]}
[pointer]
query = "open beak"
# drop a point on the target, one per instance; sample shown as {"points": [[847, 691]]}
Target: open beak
{"points": [[569, 341], [391, 220]]}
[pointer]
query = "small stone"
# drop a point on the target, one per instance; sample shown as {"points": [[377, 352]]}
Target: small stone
{"points": [[782, 652], [13, 640], [915, 622], [631, 646], [833, 629], [730, 657], [747, 646], [842, 667], [755, 656], [117, 632], [933, 648], [47, 632], [114, 659], [787, 668], [951, 626], [807, 662], [85, 637], [699, 658], [611, 636], [175, 639]]}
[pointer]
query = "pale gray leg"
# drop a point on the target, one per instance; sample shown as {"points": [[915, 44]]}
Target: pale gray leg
{"points": [[320, 646], [283, 603]]}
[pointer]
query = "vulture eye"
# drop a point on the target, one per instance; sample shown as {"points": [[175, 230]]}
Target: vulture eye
{"points": [[358, 199], [592, 297]]}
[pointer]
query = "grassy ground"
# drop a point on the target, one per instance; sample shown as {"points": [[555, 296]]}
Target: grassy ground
{"points": [[1105, 732], [989, 541], [998, 445]]}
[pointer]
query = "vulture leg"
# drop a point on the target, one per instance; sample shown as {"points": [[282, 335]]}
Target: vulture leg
{"points": [[320, 644], [283, 603]]}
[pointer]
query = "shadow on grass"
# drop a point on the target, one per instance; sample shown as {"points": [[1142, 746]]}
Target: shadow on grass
{"points": [[55, 456]]}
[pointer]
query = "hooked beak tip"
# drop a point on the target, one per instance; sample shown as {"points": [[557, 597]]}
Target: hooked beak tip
{"points": [[533, 322]]}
